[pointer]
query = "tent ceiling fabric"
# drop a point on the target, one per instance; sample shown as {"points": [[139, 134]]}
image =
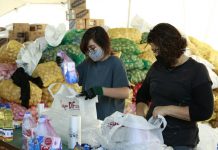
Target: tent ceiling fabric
{"points": [[8, 5]]}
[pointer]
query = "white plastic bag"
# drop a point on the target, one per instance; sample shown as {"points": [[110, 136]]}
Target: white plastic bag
{"points": [[208, 137], [66, 104], [140, 24], [54, 35], [126, 130], [29, 56]]}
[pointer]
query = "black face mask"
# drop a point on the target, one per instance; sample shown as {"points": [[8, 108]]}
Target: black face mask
{"points": [[163, 61]]}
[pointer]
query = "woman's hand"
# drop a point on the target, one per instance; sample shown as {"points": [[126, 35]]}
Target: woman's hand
{"points": [[160, 110], [179, 112]]}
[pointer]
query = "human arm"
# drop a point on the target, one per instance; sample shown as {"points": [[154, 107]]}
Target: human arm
{"points": [[117, 86], [142, 98], [141, 109], [200, 108], [119, 93]]}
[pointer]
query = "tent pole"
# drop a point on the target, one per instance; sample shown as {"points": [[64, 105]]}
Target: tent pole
{"points": [[129, 9]]}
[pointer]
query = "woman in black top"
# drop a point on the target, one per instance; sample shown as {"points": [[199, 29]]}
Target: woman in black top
{"points": [[176, 87]]}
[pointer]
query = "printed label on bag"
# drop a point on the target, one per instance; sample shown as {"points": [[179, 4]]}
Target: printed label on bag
{"points": [[112, 124], [71, 105]]}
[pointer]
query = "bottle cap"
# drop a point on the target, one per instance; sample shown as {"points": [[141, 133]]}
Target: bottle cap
{"points": [[42, 119]]}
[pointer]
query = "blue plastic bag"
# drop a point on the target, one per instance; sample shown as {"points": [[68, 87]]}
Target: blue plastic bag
{"points": [[68, 68]]}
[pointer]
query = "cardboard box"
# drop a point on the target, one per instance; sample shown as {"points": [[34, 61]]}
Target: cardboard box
{"points": [[21, 27], [11, 35], [33, 35], [19, 36], [82, 13], [100, 22], [77, 24], [70, 15], [3, 41], [77, 4], [94, 22], [90, 23], [38, 27]]}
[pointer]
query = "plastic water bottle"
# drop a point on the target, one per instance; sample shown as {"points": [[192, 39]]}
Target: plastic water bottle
{"points": [[28, 126], [41, 129]]}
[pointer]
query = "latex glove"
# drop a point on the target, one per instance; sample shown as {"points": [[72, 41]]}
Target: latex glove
{"points": [[92, 92]]}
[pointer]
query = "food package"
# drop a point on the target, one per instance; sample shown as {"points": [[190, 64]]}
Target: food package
{"points": [[18, 111], [49, 73], [9, 52], [129, 33], [11, 92]]}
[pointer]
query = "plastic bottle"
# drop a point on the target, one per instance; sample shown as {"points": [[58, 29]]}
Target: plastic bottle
{"points": [[28, 126], [1, 122], [8, 124], [41, 129]]}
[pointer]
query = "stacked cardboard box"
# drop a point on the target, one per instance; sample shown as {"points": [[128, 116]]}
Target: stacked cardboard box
{"points": [[20, 32], [94, 22], [38, 27], [79, 16], [36, 31], [23, 32]]}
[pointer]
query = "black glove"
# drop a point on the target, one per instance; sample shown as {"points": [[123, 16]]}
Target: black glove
{"points": [[92, 92], [59, 60]]}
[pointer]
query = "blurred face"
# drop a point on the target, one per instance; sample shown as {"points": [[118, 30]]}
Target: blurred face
{"points": [[92, 45], [95, 52], [155, 49]]}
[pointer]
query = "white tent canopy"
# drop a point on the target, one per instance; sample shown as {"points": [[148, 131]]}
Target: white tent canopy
{"points": [[193, 17], [9, 5]]}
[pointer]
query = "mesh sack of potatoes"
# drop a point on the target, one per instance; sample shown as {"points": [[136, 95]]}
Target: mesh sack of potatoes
{"points": [[214, 118], [49, 72], [205, 51], [213, 59], [47, 99], [199, 48], [129, 33], [9, 51], [11, 92], [147, 53]]}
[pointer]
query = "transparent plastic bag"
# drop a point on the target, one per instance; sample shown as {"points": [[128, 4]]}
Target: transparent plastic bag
{"points": [[118, 130]]}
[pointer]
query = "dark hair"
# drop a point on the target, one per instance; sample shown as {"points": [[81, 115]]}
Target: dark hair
{"points": [[99, 36], [169, 42]]}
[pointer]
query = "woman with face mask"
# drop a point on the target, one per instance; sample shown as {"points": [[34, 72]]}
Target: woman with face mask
{"points": [[102, 74], [176, 87]]}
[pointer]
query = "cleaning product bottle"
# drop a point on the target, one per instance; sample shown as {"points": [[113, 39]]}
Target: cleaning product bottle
{"points": [[8, 123]]}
